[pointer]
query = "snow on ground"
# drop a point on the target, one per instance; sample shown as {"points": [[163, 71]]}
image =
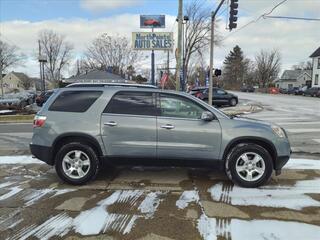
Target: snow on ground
{"points": [[186, 198], [292, 197], [5, 111], [22, 159], [96, 220], [211, 228]]}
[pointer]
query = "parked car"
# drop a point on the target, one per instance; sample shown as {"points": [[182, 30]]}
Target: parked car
{"points": [[43, 97], [220, 96], [283, 90], [247, 88], [292, 90], [301, 90], [318, 94], [79, 128], [312, 92], [19, 99]]}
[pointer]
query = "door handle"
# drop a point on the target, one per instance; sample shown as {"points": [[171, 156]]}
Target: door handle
{"points": [[167, 126], [111, 123]]}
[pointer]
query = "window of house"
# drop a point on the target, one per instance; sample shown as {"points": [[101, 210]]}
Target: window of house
{"points": [[318, 63], [316, 79]]}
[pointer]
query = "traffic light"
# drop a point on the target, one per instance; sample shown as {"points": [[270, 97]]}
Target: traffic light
{"points": [[233, 14], [217, 72]]}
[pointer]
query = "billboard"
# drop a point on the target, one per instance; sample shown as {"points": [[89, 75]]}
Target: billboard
{"points": [[152, 40], [152, 21]]}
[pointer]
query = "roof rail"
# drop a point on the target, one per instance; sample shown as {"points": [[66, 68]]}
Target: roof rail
{"points": [[110, 85]]}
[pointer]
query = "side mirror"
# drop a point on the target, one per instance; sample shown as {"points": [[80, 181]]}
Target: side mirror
{"points": [[207, 116]]}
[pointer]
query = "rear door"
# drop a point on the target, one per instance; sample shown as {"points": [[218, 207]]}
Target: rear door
{"points": [[128, 125], [181, 132], [220, 96]]}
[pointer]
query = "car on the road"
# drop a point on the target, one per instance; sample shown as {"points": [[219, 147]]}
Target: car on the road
{"points": [[247, 88], [220, 97], [78, 129], [312, 92], [43, 97]]}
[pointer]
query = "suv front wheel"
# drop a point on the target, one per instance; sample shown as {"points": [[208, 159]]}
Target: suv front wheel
{"points": [[249, 165], [76, 163]]}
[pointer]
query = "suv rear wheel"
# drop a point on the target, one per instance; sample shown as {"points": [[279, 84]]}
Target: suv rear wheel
{"points": [[76, 163], [249, 165]]}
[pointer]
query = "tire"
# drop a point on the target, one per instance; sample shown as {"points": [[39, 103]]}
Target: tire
{"points": [[234, 163], [88, 160], [233, 102]]}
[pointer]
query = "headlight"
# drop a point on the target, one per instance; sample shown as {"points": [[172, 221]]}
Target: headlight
{"points": [[278, 131]]}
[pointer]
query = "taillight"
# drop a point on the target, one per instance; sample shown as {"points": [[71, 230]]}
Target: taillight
{"points": [[39, 121]]}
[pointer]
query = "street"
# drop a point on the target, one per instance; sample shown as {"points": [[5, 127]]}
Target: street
{"points": [[167, 203]]}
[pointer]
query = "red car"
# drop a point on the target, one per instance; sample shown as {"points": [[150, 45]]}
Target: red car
{"points": [[151, 22]]}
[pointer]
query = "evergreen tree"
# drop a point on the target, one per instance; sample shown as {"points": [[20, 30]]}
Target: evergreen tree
{"points": [[235, 69]]}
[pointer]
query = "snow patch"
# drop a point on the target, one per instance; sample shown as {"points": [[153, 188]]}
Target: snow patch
{"points": [[150, 204], [23, 159], [305, 164], [186, 198], [292, 197], [58, 225], [12, 191], [211, 228], [5, 111]]}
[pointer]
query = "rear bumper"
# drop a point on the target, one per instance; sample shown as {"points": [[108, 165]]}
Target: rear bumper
{"points": [[43, 153]]}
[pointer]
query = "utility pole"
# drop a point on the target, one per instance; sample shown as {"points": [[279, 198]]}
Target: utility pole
{"points": [[179, 46], [213, 16], [42, 60], [1, 81]]}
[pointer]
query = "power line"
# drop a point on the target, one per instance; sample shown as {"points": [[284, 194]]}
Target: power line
{"points": [[294, 18], [255, 20]]}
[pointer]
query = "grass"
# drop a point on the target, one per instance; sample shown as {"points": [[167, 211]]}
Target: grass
{"points": [[17, 118]]}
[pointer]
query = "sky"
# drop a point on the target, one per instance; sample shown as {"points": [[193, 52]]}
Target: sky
{"points": [[81, 21]]}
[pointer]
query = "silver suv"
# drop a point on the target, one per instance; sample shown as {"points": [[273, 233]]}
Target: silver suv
{"points": [[79, 128]]}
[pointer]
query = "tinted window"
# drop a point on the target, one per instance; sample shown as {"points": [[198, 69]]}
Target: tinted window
{"points": [[135, 103], [74, 101], [180, 107]]}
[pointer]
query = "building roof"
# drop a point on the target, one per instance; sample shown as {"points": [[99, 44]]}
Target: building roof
{"points": [[291, 74], [316, 53], [96, 75], [19, 75]]}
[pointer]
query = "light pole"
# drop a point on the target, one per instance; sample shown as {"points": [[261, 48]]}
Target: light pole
{"points": [[185, 38], [184, 49]]}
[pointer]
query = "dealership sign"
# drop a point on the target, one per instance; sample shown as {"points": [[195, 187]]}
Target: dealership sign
{"points": [[152, 21], [152, 40]]}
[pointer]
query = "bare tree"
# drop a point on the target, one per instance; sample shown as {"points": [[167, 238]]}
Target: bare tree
{"points": [[57, 51], [26, 82], [9, 56], [197, 30], [303, 66], [267, 66], [110, 51]]}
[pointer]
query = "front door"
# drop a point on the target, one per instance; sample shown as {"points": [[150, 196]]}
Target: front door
{"points": [[128, 125], [181, 132]]}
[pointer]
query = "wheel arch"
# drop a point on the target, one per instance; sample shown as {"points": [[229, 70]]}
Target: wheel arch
{"points": [[76, 137], [265, 143]]}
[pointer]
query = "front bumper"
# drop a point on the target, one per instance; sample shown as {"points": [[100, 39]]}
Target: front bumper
{"points": [[43, 153]]}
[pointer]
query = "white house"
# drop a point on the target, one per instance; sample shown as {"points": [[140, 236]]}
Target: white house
{"points": [[315, 68], [294, 78]]}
